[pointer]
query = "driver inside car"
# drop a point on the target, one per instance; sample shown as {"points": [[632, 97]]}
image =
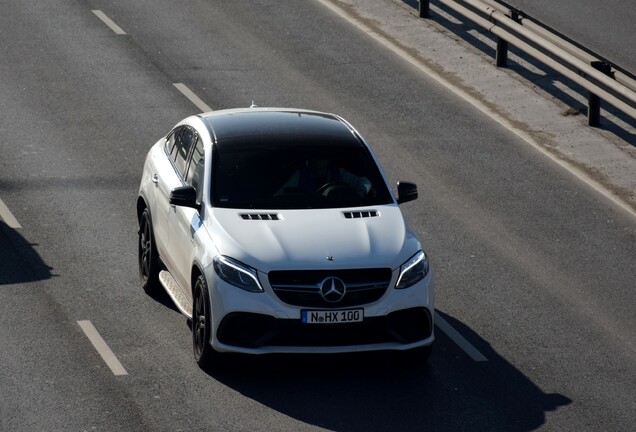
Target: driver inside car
{"points": [[321, 176]]}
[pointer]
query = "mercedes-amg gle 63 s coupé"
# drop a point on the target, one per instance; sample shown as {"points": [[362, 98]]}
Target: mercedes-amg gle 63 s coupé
{"points": [[276, 231]]}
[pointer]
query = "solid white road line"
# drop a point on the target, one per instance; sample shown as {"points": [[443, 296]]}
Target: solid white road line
{"points": [[102, 348], [7, 216], [444, 326], [109, 22], [193, 98]]}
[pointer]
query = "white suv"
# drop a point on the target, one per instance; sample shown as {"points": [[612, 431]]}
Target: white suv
{"points": [[276, 231]]}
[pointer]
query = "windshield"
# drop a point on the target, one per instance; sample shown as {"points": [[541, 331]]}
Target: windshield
{"points": [[295, 176]]}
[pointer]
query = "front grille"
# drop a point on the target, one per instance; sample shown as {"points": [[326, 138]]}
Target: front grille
{"points": [[302, 288], [254, 330]]}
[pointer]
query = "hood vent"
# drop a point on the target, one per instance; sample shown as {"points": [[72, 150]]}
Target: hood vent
{"points": [[259, 216], [360, 214]]}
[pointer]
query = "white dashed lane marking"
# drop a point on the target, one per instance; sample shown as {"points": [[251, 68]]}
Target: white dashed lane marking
{"points": [[7, 216], [109, 22], [100, 345], [456, 337], [192, 97]]}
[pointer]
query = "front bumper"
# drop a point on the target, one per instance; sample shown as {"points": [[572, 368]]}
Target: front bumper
{"points": [[259, 323], [256, 331]]}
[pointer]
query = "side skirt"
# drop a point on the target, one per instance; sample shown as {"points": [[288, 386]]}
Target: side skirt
{"points": [[175, 293]]}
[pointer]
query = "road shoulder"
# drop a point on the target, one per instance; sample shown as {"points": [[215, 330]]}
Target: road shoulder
{"points": [[527, 98]]}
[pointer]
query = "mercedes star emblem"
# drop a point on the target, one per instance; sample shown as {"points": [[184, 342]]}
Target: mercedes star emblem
{"points": [[332, 290]]}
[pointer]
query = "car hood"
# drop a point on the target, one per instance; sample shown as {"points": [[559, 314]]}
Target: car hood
{"points": [[314, 239]]}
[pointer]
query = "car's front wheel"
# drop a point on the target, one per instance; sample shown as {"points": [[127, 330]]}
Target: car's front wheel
{"points": [[148, 257], [204, 354]]}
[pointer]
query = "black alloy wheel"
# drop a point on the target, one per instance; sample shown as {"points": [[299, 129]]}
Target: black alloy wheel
{"points": [[202, 325], [148, 258]]}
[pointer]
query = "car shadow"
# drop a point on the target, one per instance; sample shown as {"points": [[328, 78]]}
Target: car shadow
{"points": [[547, 79], [19, 261], [161, 296], [379, 391]]}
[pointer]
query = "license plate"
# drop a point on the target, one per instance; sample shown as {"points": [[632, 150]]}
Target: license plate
{"points": [[331, 316]]}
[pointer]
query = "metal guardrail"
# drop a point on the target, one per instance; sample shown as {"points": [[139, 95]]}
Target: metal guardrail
{"points": [[602, 79]]}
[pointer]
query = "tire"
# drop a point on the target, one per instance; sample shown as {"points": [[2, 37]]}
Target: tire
{"points": [[148, 258], [204, 354]]}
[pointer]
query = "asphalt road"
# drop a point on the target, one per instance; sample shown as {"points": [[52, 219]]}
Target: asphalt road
{"points": [[607, 28], [533, 268]]}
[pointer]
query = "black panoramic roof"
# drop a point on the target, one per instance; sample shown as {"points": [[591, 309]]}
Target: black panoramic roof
{"points": [[257, 126]]}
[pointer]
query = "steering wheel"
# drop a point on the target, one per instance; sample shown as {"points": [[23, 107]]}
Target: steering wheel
{"points": [[334, 188]]}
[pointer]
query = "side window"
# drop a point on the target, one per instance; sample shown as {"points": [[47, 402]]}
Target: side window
{"points": [[171, 141], [185, 140], [196, 169]]}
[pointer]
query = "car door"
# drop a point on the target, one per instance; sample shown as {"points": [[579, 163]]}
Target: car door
{"points": [[186, 221], [165, 178]]}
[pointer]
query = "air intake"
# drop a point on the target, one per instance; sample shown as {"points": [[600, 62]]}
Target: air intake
{"points": [[360, 214], [259, 216]]}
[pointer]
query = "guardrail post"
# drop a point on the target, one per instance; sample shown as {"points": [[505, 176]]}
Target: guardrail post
{"points": [[425, 8], [593, 101], [501, 57]]}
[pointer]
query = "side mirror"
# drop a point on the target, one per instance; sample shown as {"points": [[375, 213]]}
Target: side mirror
{"points": [[406, 192], [184, 196]]}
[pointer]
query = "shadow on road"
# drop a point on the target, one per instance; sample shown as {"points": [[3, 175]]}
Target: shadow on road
{"points": [[376, 391], [19, 262]]}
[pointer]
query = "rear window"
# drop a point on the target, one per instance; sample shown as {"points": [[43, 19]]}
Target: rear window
{"points": [[295, 176]]}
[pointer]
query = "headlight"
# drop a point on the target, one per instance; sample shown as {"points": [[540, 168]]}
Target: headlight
{"points": [[413, 271], [237, 274]]}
